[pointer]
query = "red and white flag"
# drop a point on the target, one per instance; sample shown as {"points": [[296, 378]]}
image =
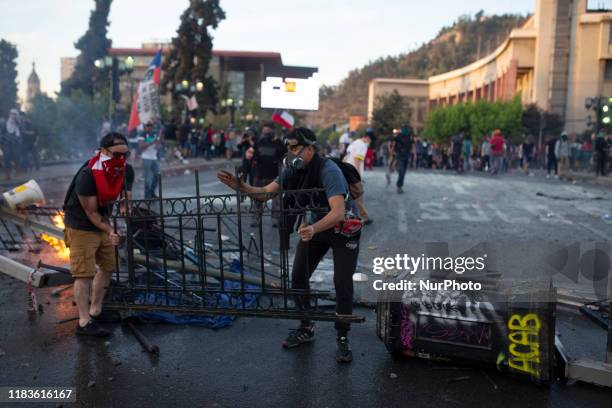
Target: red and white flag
{"points": [[284, 119], [145, 107]]}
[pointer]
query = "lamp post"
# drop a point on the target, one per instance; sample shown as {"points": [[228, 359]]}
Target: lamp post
{"points": [[118, 67], [187, 89], [232, 105]]}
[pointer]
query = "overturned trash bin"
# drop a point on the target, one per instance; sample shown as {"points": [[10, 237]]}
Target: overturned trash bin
{"points": [[496, 327]]}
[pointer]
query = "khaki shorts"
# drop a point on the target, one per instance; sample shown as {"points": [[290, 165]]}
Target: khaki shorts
{"points": [[88, 248]]}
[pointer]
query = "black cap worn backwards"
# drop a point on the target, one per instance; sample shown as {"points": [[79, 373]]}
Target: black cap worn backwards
{"points": [[303, 135], [113, 139]]}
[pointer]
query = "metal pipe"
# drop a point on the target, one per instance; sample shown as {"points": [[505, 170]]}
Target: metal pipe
{"points": [[146, 344], [212, 271]]}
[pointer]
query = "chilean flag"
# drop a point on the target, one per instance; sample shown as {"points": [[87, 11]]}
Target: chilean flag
{"points": [[284, 119], [145, 106]]}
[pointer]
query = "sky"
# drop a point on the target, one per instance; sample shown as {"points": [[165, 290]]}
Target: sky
{"points": [[334, 35]]}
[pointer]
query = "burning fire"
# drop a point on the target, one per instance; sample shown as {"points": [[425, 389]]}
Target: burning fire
{"points": [[61, 251]]}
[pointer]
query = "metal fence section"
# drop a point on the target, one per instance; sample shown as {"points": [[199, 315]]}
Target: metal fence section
{"points": [[214, 254]]}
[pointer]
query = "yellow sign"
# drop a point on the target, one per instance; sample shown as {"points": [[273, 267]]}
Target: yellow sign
{"points": [[290, 86]]}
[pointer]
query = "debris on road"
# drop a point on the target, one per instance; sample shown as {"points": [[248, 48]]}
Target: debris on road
{"points": [[393, 376]]}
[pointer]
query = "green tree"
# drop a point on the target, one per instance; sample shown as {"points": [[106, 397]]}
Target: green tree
{"points": [[93, 45], [392, 111], [69, 125], [476, 119], [191, 52], [8, 77]]}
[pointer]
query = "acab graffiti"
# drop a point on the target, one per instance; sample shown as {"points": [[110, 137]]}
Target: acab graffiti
{"points": [[524, 348]]}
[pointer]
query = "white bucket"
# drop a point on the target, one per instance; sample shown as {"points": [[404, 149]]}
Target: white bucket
{"points": [[24, 195]]}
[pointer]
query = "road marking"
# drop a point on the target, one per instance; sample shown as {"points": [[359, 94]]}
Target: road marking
{"points": [[435, 212], [479, 215]]}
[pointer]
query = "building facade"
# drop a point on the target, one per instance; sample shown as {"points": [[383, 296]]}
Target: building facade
{"points": [[242, 71], [558, 58], [33, 88]]}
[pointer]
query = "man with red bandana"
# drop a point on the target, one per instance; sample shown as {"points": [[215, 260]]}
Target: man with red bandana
{"points": [[89, 234]]}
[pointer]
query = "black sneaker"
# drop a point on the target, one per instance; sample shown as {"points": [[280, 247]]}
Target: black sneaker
{"points": [[299, 336], [343, 351], [368, 221], [107, 316], [400, 190], [92, 329]]}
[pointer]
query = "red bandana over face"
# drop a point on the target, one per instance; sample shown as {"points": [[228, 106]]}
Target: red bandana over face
{"points": [[108, 176]]}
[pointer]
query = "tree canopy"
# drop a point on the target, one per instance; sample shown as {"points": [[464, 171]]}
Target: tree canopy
{"points": [[93, 45], [392, 111], [8, 77], [191, 52]]}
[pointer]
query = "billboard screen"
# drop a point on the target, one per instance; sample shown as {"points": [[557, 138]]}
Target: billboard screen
{"points": [[290, 93]]}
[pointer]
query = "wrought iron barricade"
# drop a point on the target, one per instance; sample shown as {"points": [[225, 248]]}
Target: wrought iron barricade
{"points": [[214, 254]]}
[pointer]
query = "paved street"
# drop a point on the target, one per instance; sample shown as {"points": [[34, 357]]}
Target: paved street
{"points": [[245, 365]]}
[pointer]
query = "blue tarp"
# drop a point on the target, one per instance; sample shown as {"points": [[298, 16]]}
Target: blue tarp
{"points": [[218, 300]]}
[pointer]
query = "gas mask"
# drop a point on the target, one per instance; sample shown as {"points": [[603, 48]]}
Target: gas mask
{"points": [[295, 161]]}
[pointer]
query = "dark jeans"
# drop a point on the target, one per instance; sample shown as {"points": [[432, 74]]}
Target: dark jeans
{"points": [[600, 163], [307, 256], [151, 174], [402, 165], [552, 164]]}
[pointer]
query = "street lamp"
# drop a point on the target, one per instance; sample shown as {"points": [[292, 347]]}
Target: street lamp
{"points": [[231, 104], [188, 89], [118, 67]]}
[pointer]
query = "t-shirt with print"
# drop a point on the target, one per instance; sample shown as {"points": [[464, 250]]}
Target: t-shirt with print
{"points": [[356, 150]]}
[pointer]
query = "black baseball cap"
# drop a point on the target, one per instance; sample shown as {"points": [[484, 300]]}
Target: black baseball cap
{"points": [[303, 135]]}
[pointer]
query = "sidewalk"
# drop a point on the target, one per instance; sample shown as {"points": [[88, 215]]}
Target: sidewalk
{"points": [[67, 170]]}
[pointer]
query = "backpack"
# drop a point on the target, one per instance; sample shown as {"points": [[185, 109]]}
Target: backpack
{"points": [[352, 177]]}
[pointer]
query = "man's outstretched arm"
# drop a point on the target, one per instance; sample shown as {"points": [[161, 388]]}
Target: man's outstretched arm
{"points": [[258, 193]]}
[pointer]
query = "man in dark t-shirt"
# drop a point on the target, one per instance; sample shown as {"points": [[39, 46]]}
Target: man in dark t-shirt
{"points": [[89, 234]]}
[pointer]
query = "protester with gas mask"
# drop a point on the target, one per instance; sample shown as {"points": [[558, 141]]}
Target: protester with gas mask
{"points": [[97, 185], [337, 229]]}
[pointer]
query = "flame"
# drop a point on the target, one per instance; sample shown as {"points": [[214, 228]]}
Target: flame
{"points": [[61, 251]]}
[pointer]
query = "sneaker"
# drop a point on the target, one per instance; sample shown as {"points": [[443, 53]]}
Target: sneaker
{"points": [[388, 176], [107, 316], [400, 190], [344, 354], [368, 221], [299, 336], [92, 329]]}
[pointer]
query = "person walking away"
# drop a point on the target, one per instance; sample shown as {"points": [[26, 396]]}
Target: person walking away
{"points": [[402, 146], [307, 169], [467, 153], [269, 153], [183, 138], [497, 147], [457, 143], [230, 144], [148, 143], [355, 155], [194, 141], [391, 160], [89, 234], [551, 158], [601, 155], [343, 143], [562, 154], [170, 140], [527, 150]]}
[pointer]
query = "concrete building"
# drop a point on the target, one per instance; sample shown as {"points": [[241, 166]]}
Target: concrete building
{"points": [[558, 58], [243, 71]]}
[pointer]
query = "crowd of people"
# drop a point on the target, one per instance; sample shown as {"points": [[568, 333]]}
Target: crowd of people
{"points": [[495, 153]]}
